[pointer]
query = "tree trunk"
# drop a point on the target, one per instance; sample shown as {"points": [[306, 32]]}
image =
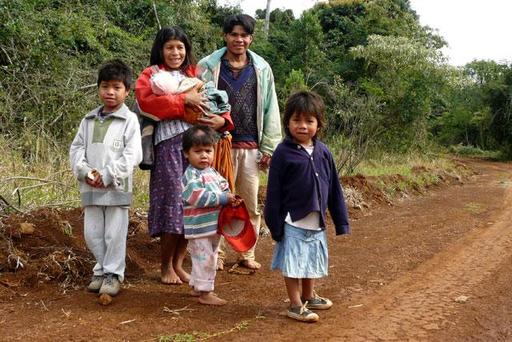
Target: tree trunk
{"points": [[267, 17]]}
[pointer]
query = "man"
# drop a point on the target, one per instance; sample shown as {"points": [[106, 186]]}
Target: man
{"points": [[249, 82]]}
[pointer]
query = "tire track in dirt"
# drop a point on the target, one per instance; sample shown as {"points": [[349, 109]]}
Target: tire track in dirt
{"points": [[419, 303]]}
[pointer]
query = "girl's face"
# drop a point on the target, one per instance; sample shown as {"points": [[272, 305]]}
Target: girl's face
{"points": [[200, 156], [303, 128], [174, 52]]}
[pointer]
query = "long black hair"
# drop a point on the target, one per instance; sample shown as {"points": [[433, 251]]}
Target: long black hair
{"points": [[163, 36]]}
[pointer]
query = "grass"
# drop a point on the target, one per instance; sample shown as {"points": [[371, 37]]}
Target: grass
{"points": [[389, 164], [48, 182], [200, 336], [475, 152], [399, 173], [475, 208]]}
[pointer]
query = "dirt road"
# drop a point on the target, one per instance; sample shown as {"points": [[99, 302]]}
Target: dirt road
{"points": [[434, 267]]}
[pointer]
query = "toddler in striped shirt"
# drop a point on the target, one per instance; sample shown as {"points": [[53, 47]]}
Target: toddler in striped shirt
{"points": [[205, 191]]}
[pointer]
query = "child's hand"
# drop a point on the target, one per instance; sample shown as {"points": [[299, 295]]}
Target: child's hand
{"points": [[93, 178], [233, 200]]}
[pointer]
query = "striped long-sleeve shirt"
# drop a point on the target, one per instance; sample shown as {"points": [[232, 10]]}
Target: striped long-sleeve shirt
{"points": [[204, 193]]}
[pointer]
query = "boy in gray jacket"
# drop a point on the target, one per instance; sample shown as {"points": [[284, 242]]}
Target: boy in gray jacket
{"points": [[103, 155]]}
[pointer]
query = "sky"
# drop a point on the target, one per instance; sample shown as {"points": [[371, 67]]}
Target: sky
{"points": [[474, 29]]}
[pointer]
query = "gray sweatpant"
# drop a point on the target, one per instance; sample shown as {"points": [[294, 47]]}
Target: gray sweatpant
{"points": [[105, 232]]}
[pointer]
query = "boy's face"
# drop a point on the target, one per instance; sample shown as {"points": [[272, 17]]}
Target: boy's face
{"points": [[112, 94], [200, 156]]}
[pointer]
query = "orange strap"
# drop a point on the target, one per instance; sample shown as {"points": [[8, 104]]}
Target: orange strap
{"points": [[222, 161]]}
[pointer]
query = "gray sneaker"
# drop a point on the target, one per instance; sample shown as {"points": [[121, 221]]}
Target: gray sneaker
{"points": [[95, 284], [302, 313], [318, 303], [111, 285]]}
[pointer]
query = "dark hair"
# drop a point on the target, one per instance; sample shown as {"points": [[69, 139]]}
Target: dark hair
{"points": [[244, 20], [115, 70], [307, 103], [199, 135], [163, 36]]}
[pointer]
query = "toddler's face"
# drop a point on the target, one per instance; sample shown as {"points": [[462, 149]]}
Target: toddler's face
{"points": [[303, 128], [112, 94], [200, 156]]}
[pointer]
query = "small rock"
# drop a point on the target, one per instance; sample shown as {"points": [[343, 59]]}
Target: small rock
{"points": [[104, 299], [27, 228], [461, 299]]}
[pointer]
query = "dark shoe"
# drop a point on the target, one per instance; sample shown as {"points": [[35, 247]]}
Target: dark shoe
{"points": [[318, 303], [111, 285], [95, 284], [301, 313]]}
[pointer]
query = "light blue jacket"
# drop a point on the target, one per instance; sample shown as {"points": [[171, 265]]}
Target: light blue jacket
{"points": [[268, 119]]}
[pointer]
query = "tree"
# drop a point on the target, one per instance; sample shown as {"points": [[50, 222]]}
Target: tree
{"points": [[349, 23], [407, 77], [353, 124]]}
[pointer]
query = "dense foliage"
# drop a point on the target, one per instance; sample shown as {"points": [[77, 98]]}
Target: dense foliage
{"points": [[386, 83]]}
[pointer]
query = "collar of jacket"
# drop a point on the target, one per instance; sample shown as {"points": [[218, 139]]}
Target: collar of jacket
{"points": [[289, 141], [216, 56], [121, 113]]}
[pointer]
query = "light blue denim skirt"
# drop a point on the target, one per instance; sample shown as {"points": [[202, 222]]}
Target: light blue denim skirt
{"points": [[302, 253]]}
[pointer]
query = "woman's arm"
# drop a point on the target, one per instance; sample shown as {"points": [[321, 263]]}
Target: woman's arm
{"points": [[165, 107], [220, 123]]}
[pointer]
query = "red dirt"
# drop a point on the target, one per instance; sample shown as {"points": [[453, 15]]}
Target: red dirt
{"points": [[396, 277]]}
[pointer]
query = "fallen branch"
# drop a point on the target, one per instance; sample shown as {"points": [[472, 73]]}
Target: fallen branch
{"points": [[8, 286], [26, 178], [236, 269], [37, 185], [10, 205], [177, 311]]}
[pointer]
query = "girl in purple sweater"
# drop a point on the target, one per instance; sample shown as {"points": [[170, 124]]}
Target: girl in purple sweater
{"points": [[303, 183]]}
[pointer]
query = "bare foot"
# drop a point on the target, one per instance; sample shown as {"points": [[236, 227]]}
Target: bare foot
{"points": [[183, 276], [210, 298], [250, 264], [220, 264], [195, 293], [169, 277]]}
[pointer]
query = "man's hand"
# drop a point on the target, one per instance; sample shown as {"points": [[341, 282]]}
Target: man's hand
{"points": [[264, 162]]}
